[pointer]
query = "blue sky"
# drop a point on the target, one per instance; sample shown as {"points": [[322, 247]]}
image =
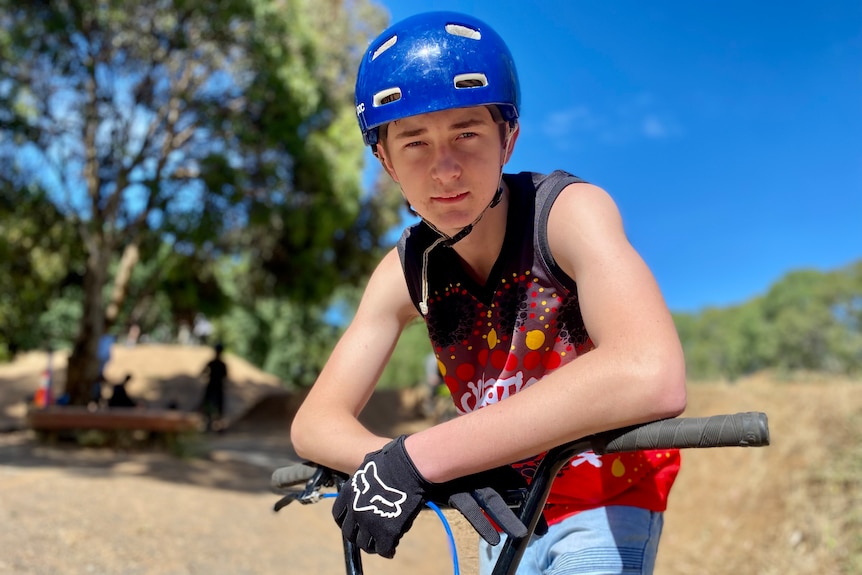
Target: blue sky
{"points": [[729, 132]]}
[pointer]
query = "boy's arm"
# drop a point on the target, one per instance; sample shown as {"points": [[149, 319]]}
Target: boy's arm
{"points": [[635, 374], [326, 429], [623, 309]]}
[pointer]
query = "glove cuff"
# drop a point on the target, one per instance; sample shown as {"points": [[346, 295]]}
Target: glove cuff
{"points": [[397, 446]]}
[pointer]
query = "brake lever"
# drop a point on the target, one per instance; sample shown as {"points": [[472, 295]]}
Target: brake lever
{"points": [[311, 493]]}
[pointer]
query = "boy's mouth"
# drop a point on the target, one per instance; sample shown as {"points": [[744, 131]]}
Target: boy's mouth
{"points": [[450, 199]]}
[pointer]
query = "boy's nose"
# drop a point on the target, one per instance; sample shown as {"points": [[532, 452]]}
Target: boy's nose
{"points": [[446, 166]]}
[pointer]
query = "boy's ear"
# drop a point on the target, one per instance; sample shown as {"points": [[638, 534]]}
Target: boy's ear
{"points": [[380, 154], [509, 144]]}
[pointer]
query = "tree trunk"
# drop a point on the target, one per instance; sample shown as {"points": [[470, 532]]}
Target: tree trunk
{"points": [[83, 369]]}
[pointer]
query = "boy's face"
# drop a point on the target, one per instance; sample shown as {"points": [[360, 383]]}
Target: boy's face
{"points": [[448, 163]]}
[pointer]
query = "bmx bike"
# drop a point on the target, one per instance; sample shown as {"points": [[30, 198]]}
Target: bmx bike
{"points": [[304, 482]]}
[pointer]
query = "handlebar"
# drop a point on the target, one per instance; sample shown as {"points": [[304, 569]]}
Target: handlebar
{"points": [[749, 429]]}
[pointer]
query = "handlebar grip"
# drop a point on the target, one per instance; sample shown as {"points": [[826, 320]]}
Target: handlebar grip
{"points": [[748, 429], [292, 475]]}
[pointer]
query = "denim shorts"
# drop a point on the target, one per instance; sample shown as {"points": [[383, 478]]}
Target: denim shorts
{"points": [[615, 540]]}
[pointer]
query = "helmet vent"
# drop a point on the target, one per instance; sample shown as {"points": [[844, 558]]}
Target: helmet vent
{"points": [[464, 31], [385, 46], [387, 96], [474, 80]]}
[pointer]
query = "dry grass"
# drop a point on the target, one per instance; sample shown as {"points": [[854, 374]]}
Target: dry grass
{"points": [[794, 507]]}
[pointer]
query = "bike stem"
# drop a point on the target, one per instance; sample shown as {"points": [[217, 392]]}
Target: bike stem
{"points": [[531, 509]]}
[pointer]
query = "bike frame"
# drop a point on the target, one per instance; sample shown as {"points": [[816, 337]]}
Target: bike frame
{"points": [[748, 429]]}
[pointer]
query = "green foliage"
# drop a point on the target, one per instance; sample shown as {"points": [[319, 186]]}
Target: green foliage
{"points": [[288, 339], [808, 321], [37, 255], [58, 324], [284, 338], [190, 284]]}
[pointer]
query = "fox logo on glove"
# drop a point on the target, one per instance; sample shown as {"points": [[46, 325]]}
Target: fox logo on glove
{"points": [[383, 500]]}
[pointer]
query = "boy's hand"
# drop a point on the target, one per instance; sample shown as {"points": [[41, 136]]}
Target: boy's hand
{"points": [[378, 504], [382, 499]]}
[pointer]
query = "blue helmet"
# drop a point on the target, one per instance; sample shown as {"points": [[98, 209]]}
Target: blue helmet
{"points": [[430, 62]]}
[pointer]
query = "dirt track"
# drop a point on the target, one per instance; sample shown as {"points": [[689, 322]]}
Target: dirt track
{"points": [[79, 511]]}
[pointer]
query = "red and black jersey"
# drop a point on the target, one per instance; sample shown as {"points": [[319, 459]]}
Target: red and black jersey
{"points": [[493, 340]]}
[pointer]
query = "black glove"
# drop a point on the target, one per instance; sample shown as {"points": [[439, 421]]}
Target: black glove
{"points": [[379, 503], [382, 499], [485, 491]]}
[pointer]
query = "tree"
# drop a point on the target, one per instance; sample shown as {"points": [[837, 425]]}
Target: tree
{"points": [[815, 316], [217, 126], [809, 320]]}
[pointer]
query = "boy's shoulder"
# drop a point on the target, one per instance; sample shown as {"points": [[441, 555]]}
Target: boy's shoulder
{"points": [[538, 188]]}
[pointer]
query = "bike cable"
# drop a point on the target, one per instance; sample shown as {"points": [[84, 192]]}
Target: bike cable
{"points": [[453, 550]]}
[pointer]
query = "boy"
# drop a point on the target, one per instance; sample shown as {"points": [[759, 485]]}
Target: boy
{"points": [[546, 323]]}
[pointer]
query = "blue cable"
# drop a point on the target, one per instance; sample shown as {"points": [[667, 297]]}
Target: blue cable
{"points": [[449, 535], [451, 538]]}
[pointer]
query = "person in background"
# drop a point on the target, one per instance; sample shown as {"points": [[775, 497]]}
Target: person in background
{"points": [[547, 324], [103, 353], [103, 356], [120, 395], [212, 403], [133, 335], [202, 329]]}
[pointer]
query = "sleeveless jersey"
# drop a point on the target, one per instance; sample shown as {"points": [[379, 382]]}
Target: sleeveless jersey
{"points": [[496, 339]]}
